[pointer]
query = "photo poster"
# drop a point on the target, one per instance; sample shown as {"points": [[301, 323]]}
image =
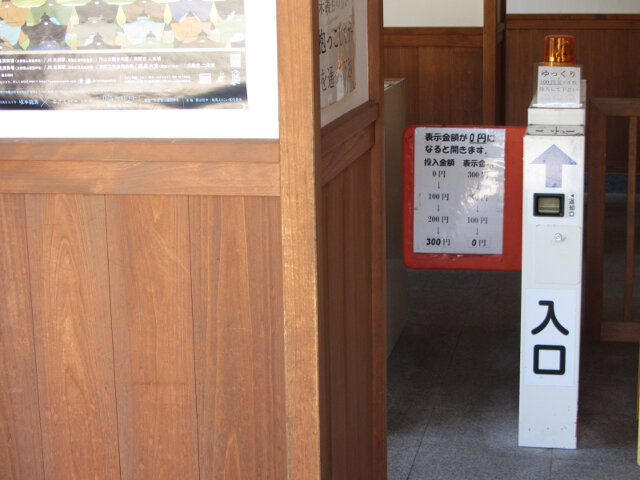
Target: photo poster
{"points": [[122, 54], [337, 46], [162, 57]]}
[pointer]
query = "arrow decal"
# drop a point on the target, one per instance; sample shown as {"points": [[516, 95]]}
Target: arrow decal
{"points": [[553, 159]]}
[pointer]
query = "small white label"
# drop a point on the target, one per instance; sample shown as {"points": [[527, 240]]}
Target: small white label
{"points": [[458, 190], [558, 86]]}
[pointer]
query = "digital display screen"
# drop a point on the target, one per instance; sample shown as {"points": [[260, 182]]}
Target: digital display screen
{"points": [[549, 205]]}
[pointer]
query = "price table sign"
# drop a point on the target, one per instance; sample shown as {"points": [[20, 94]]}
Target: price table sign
{"points": [[459, 185]]}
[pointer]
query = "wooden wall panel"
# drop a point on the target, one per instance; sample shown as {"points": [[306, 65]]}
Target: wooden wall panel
{"points": [[443, 71], [402, 62], [257, 415], [347, 303], [334, 351], [237, 291], [149, 261], [606, 46], [133, 177], [20, 434], [351, 253], [140, 150], [358, 315], [72, 324], [450, 86], [264, 233]]}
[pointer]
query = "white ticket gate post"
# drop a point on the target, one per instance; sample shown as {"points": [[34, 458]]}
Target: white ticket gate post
{"points": [[552, 219]]}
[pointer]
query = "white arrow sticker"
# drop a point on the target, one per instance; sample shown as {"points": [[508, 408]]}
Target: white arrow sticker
{"points": [[553, 159]]}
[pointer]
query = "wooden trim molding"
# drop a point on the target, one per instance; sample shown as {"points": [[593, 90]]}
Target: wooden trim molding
{"points": [[198, 151], [154, 178], [573, 22], [465, 37], [618, 107], [345, 140], [337, 160], [620, 332], [335, 133]]}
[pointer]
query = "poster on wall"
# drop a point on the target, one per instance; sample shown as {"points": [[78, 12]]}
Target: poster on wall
{"points": [[115, 54], [337, 44], [140, 55]]}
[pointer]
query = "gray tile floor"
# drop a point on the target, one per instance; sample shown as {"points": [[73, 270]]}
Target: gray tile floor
{"points": [[453, 390]]}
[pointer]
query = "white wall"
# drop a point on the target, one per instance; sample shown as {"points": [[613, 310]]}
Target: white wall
{"points": [[433, 13], [573, 6]]}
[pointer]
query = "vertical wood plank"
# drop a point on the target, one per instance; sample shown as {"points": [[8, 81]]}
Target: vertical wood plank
{"points": [[631, 217], [324, 339], [236, 265], [335, 318], [299, 150], [493, 53], [149, 262], [358, 317], [72, 323], [351, 349], [20, 434], [594, 235], [489, 62], [375, 201], [264, 240], [523, 50]]}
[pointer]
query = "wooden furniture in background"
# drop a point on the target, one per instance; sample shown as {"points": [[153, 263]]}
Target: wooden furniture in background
{"points": [[595, 327], [200, 309]]}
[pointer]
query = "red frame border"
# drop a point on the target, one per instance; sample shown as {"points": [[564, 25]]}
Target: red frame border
{"points": [[510, 259]]}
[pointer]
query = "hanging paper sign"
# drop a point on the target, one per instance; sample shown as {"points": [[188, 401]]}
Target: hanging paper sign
{"points": [[558, 86], [459, 190], [462, 198], [337, 50]]}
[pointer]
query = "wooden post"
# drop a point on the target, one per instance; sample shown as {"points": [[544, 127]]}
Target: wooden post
{"points": [[631, 217]]}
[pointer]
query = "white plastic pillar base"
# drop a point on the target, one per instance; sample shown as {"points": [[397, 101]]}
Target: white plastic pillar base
{"points": [[553, 193]]}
